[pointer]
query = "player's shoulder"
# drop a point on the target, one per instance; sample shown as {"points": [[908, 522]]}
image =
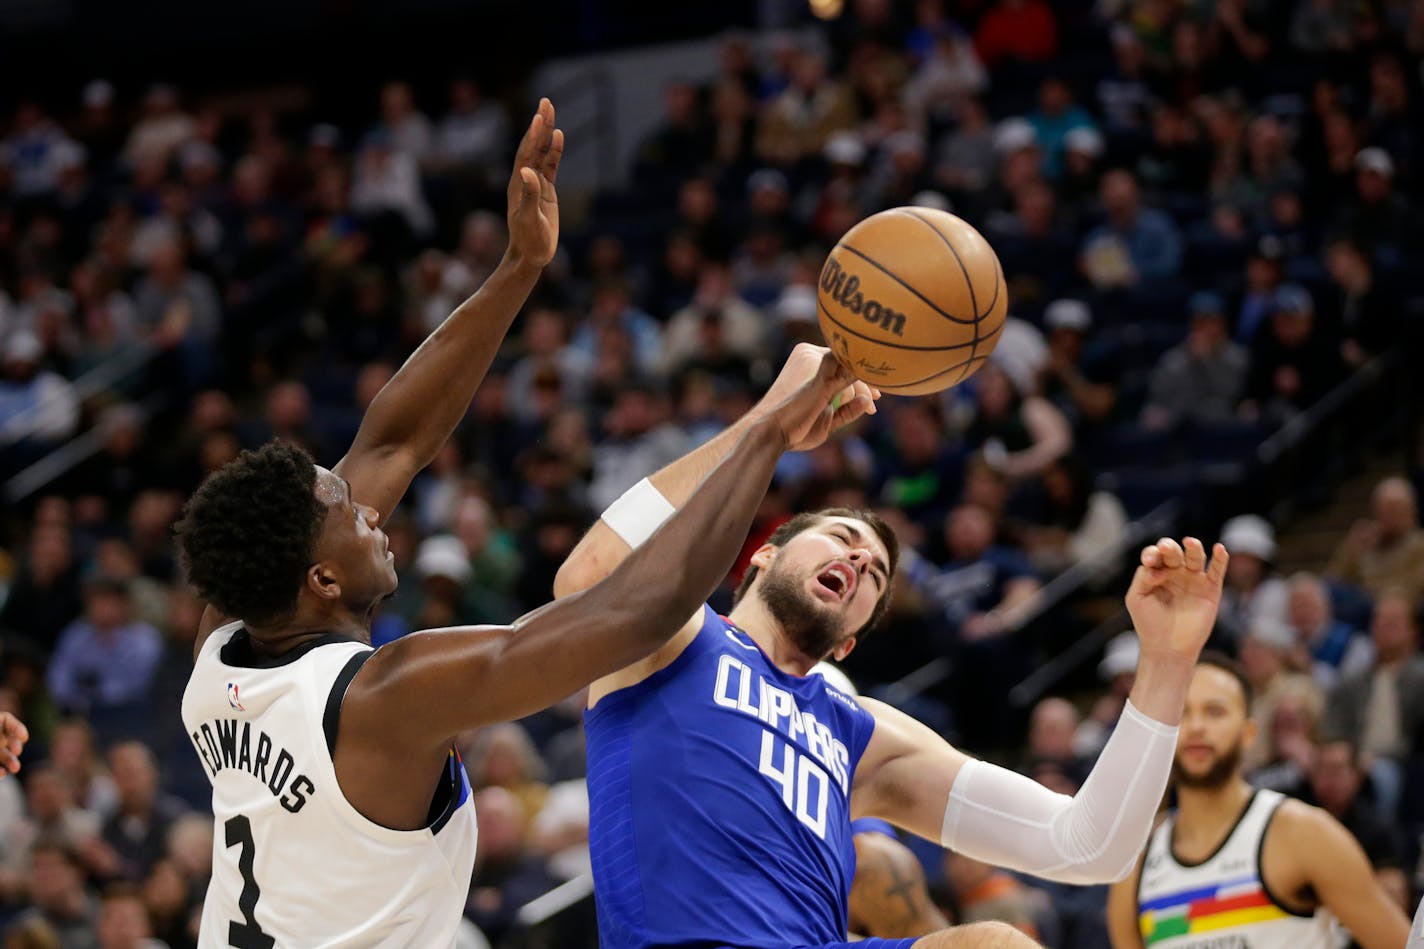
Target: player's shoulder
{"points": [[1303, 827]]}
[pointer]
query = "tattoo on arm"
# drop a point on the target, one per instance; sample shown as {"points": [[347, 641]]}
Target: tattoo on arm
{"points": [[888, 898]]}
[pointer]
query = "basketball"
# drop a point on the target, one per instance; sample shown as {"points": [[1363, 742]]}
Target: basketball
{"points": [[912, 300]]}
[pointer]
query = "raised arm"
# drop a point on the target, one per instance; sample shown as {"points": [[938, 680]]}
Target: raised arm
{"points": [[416, 411], [601, 550], [913, 778], [420, 690]]}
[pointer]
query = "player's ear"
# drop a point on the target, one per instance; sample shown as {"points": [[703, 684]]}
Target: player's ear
{"points": [[323, 582], [764, 555], [843, 650], [1248, 733]]}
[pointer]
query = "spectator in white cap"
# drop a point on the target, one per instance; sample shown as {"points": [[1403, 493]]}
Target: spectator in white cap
{"points": [[1081, 383], [1252, 594], [444, 567], [1118, 669], [1271, 658], [1081, 176], [1015, 134], [1379, 216], [1056, 116], [37, 407], [796, 310]]}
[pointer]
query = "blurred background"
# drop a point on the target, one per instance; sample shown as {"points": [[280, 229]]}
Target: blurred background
{"points": [[225, 224]]}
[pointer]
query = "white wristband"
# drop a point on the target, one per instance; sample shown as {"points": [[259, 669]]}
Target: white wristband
{"points": [[638, 512]]}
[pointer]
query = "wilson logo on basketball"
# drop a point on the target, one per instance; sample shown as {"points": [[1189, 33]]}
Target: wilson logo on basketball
{"points": [[844, 288]]}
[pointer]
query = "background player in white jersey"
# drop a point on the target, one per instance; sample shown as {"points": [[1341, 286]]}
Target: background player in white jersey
{"points": [[343, 817], [814, 589], [1236, 866]]}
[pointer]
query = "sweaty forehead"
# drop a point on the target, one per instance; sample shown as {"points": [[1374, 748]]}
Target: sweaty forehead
{"points": [[330, 490]]}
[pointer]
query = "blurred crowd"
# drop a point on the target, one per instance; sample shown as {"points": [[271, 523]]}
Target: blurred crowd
{"points": [[1206, 212]]}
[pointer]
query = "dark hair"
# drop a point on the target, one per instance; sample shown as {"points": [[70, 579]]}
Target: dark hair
{"points": [[1220, 660], [809, 519], [250, 531]]}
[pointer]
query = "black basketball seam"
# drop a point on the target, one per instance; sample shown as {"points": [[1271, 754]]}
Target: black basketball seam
{"points": [[998, 281], [969, 284], [887, 272], [885, 342], [962, 366]]}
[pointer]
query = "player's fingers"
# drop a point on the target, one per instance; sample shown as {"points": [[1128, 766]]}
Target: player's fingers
{"points": [[529, 186], [868, 393], [1193, 554], [832, 373], [1151, 556], [9, 762], [556, 153], [1217, 570], [1144, 580], [524, 154], [848, 411], [14, 730], [1171, 552]]}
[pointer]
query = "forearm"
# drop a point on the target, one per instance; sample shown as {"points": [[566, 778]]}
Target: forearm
{"points": [[418, 409], [562, 647], [1160, 688], [601, 550], [1004, 818], [703, 537]]}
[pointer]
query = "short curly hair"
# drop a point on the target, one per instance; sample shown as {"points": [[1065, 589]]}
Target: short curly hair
{"points": [[249, 532]]}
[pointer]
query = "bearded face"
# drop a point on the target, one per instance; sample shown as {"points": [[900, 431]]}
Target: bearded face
{"points": [[1206, 768], [814, 627], [823, 586]]}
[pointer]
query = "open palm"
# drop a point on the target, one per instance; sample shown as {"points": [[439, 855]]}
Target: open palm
{"points": [[533, 202], [1175, 594]]}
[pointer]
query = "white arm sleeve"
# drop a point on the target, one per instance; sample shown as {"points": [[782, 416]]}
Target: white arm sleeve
{"points": [[1003, 818]]}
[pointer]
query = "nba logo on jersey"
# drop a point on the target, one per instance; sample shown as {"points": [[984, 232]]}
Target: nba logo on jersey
{"points": [[232, 697]]}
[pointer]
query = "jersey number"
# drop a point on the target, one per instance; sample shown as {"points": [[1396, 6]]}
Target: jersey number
{"points": [[796, 775], [247, 934]]}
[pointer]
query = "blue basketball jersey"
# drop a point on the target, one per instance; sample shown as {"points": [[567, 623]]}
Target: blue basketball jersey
{"points": [[719, 793]]}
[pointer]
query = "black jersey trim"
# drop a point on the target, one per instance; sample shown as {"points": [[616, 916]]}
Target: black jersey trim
{"points": [[449, 795], [331, 718], [1172, 841], [1261, 870], [238, 650]]}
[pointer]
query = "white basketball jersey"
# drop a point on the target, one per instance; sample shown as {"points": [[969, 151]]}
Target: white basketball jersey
{"points": [[1222, 902], [296, 866]]}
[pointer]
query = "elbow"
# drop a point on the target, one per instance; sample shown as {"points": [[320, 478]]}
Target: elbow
{"points": [[578, 572]]}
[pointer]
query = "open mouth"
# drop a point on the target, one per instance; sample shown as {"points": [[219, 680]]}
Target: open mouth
{"points": [[839, 579]]}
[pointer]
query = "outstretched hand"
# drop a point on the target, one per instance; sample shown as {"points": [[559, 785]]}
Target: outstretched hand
{"points": [[533, 202], [1174, 596], [13, 735], [851, 400]]}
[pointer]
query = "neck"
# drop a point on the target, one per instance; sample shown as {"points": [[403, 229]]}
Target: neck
{"points": [[1209, 809], [309, 622], [753, 618]]}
